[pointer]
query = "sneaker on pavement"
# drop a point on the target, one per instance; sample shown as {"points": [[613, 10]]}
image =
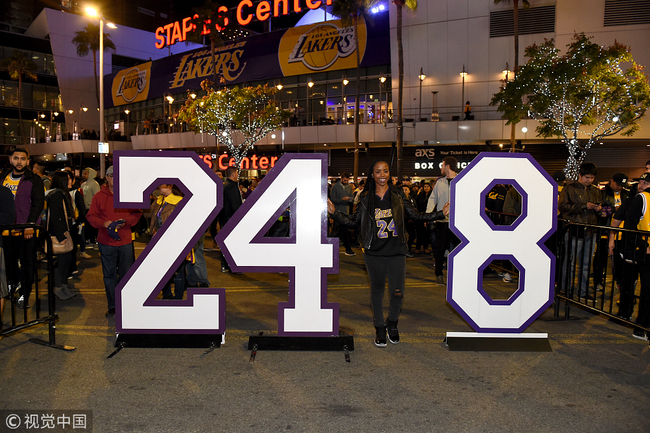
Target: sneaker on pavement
{"points": [[20, 303], [393, 333], [85, 255], [507, 277], [640, 334], [380, 339], [350, 253]]}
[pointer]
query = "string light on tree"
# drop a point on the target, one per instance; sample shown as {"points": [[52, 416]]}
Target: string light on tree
{"points": [[581, 96], [249, 111]]}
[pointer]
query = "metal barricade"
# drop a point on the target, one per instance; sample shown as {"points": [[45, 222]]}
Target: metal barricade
{"points": [[586, 274], [22, 244]]}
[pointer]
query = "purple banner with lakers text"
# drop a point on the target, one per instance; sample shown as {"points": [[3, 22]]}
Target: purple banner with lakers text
{"points": [[319, 47]]}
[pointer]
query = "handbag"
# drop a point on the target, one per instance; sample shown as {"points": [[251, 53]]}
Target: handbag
{"points": [[60, 247]]}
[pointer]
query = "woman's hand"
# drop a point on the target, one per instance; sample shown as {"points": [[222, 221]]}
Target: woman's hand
{"points": [[445, 209], [330, 206]]}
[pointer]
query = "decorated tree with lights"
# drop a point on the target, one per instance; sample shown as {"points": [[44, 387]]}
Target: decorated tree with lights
{"points": [[581, 96], [249, 111]]}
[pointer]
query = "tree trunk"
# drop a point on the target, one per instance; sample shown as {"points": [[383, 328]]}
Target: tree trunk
{"points": [[513, 126], [400, 91], [214, 63], [356, 102], [96, 81], [20, 109]]}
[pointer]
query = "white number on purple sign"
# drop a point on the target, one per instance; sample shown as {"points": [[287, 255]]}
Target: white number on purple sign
{"points": [[297, 182], [482, 242], [138, 311]]}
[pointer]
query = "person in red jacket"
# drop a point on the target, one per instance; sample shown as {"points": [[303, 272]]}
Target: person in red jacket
{"points": [[113, 238]]}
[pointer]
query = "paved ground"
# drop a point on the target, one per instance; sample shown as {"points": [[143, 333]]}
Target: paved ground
{"points": [[596, 379]]}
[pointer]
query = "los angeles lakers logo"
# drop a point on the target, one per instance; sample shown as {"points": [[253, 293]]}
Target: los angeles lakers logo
{"points": [[133, 82], [319, 48]]}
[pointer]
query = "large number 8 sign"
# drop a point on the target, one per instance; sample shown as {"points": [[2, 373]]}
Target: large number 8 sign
{"points": [[482, 242]]}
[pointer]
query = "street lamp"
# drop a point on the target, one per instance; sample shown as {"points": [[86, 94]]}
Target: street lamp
{"points": [[421, 77], [127, 111], [94, 13], [506, 72], [463, 74], [344, 105], [382, 80], [310, 84]]}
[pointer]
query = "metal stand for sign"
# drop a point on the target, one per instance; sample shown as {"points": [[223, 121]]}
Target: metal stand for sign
{"points": [[495, 342], [182, 341], [343, 342]]}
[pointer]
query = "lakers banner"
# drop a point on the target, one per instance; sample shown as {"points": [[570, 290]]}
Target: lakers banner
{"points": [[320, 47], [131, 85]]}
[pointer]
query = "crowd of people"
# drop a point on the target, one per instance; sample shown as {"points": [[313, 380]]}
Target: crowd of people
{"points": [[390, 220]]}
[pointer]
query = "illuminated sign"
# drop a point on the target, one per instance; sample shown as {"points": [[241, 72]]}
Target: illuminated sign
{"points": [[177, 31], [430, 158], [199, 64], [319, 47], [132, 85], [253, 162]]}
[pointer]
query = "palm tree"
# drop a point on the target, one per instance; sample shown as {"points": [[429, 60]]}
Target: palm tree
{"points": [[18, 65], [412, 5], [515, 5], [88, 40], [211, 19], [349, 11]]}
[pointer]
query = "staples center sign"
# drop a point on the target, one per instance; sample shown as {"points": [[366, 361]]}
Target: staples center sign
{"points": [[254, 162], [177, 31]]}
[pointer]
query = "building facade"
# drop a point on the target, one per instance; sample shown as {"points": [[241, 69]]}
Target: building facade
{"points": [[443, 39]]}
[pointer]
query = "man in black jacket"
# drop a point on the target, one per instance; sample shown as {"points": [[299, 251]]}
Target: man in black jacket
{"points": [[231, 202], [29, 196]]}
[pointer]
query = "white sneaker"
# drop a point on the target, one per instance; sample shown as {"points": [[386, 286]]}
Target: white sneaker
{"points": [[507, 277]]}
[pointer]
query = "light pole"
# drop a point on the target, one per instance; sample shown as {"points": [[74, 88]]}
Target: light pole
{"points": [[310, 84], [462, 102], [96, 14], [382, 80], [81, 109], [421, 77], [344, 104], [127, 111]]}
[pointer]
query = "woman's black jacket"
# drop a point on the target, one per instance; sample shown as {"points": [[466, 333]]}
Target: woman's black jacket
{"points": [[57, 224], [363, 219]]}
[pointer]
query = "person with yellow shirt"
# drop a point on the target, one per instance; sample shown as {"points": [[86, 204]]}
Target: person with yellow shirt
{"points": [[637, 251], [161, 209], [29, 198]]}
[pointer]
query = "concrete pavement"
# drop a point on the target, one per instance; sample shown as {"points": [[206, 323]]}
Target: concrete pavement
{"points": [[596, 379]]}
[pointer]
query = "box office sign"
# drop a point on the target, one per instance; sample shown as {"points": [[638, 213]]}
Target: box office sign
{"points": [[428, 160], [308, 255]]}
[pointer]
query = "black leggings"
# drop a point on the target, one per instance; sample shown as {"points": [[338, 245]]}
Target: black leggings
{"points": [[379, 268]]}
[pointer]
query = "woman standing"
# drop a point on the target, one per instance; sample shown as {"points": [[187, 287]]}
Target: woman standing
{"points": [[59, 221], [380, 216]]}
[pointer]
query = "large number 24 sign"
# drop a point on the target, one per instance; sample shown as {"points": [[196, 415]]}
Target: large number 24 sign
{"points": [[299, 182]]}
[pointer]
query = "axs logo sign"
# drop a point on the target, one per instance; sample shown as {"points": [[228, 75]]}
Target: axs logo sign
{"points": [[425, 153]]}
